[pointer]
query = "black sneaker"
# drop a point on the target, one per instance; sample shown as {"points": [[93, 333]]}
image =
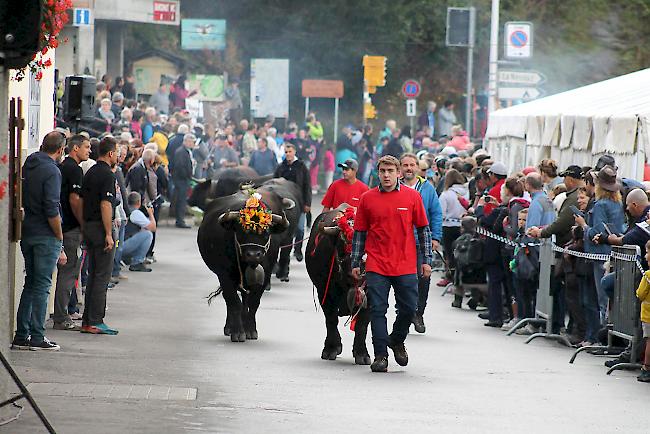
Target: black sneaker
{"points": [[644, 376], [20, 344], [496, 324], [418, 323], [458, 302], [139, 267], [183, 225], [484, 315], [299, 256], [400, 354], [46, 345], [380, 364]]}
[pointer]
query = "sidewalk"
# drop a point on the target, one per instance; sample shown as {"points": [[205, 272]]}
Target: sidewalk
{"points": [[102, 384]]}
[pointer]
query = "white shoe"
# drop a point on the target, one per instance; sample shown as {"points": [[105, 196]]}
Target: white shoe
{"points": [[527, 331], [510, 324]]}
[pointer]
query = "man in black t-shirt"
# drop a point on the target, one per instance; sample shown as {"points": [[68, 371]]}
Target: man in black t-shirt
{"points": [[78, 150], [98, 192]]}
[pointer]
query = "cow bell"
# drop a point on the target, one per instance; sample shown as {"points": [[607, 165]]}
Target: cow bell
{"points": [[254, 276]]}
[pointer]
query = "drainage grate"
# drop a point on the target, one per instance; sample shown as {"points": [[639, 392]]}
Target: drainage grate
{"points": [[115, 391]]}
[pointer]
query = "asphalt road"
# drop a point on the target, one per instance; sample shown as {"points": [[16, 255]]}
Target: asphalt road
{"points": [[462, 377]]}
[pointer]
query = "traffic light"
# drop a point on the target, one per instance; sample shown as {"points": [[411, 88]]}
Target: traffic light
{"points": [[374, 70], [369, 111]]}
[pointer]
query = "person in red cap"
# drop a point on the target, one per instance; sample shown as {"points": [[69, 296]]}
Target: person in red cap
{"points": [[345, 190]]}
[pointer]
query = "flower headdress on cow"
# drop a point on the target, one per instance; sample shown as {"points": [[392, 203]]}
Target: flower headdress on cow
{"points": [[255, 216], [345, 222]]}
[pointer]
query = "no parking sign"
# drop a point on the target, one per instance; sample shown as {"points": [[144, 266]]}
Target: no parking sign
{"points": [[518, 36]]}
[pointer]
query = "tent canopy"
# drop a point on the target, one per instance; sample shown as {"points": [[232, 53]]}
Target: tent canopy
{"points": [[611, 116]]}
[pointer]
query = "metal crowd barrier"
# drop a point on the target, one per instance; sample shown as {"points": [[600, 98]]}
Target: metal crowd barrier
{"points": [[624, 309]]}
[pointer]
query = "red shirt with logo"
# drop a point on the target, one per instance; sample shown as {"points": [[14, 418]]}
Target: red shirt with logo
{"points": [[342, 191], [389, 219]]}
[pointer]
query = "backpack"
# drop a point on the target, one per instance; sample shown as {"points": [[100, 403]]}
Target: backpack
{"points": [[468, 251], [527, 262]]}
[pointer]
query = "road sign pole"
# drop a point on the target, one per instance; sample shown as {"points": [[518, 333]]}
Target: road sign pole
{"points": [[470, 67], [306, 107], [336, 118], [494, 57]]}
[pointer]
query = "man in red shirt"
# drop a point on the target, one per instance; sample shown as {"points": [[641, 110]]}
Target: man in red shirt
{"points": [[383, 229], [346, 190]]}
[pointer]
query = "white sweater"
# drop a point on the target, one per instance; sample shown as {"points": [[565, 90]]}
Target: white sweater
{"points": [[451, 207]]}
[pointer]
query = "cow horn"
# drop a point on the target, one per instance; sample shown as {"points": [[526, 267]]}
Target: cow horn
{"points": [[228, 216], [328, 230], [280, 220], [288, 203]]}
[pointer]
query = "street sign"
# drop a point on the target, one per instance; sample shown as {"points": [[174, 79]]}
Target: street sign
{"points": [[410, 107], [81, 17], [530, 78], [411, 89], [525, 93], [518, 36], [322, 89], [165, 11]]}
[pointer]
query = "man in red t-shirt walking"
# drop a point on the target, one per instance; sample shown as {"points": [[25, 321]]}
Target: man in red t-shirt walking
{"points": [[383, 229], [346, 190]]}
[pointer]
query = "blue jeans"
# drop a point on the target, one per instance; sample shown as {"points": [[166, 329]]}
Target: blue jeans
{"points": [[607, 284], [119, 250], [599, 272], [300, 232], [41, 255], [589, 302], [406, 298], [137, 246]]}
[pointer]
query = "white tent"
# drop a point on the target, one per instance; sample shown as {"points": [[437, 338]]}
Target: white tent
{"points": [[577, 126]]}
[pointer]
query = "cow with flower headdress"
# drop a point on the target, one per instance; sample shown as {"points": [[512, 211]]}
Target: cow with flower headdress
{"points": [[239, 240], [328, 263]]}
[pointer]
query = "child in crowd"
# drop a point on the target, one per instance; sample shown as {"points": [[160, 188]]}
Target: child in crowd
{"points": [[643, 294], [525, 270]]}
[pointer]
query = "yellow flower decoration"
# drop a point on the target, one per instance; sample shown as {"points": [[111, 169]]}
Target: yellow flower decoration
{"points": [[254, 217]]}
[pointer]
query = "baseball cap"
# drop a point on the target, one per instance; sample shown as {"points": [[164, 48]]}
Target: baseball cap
{"points": [[349, 164], [498, 168], [573, 171]]}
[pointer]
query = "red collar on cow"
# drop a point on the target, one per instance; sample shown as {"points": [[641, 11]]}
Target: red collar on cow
{"points": [[345, 222], [255, 216]]}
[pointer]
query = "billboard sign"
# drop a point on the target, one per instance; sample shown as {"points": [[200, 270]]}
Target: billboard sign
{"points": [[269, 88], [203, 34]]}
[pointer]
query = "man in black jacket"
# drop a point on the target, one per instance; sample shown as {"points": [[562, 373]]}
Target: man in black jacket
{"points": [[295, 170], [137, 179], [181, 176]]}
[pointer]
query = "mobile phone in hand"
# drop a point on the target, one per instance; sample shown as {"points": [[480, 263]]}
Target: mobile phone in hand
{"points": [[574, 209]]}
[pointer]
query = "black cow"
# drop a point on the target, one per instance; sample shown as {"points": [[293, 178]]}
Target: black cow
{"points": [[242, 260], [326, 259], [224, 183]]}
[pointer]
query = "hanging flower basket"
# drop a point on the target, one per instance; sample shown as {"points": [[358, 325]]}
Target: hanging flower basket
{"points": [[55, 16]]}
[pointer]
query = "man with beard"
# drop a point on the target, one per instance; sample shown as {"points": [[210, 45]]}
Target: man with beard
{"points": [[409, 166], [98, 192], [42, 242]]}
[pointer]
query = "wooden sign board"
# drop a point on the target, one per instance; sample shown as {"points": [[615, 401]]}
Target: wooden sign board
{"points": [[322, 89]]}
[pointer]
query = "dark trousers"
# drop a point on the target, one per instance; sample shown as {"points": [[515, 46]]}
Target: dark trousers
{"points": [[406, 297], [496, 276], [559, 302], [449, 235], [181, 186], [100, 266], [526, 291], [67, 275], [156, 214], [589, 304], [423, 289]]}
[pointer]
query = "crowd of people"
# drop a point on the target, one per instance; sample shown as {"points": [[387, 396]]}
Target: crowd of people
{"points": [[111, 189]]}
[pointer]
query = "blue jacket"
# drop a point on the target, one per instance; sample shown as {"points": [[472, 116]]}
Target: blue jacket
{"points": [[431, 206], [541, 211], [608, 212], [41, 194]]}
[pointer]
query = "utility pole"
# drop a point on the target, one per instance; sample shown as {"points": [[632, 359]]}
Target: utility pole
{"points": [[494, 57], [470, 68]]}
